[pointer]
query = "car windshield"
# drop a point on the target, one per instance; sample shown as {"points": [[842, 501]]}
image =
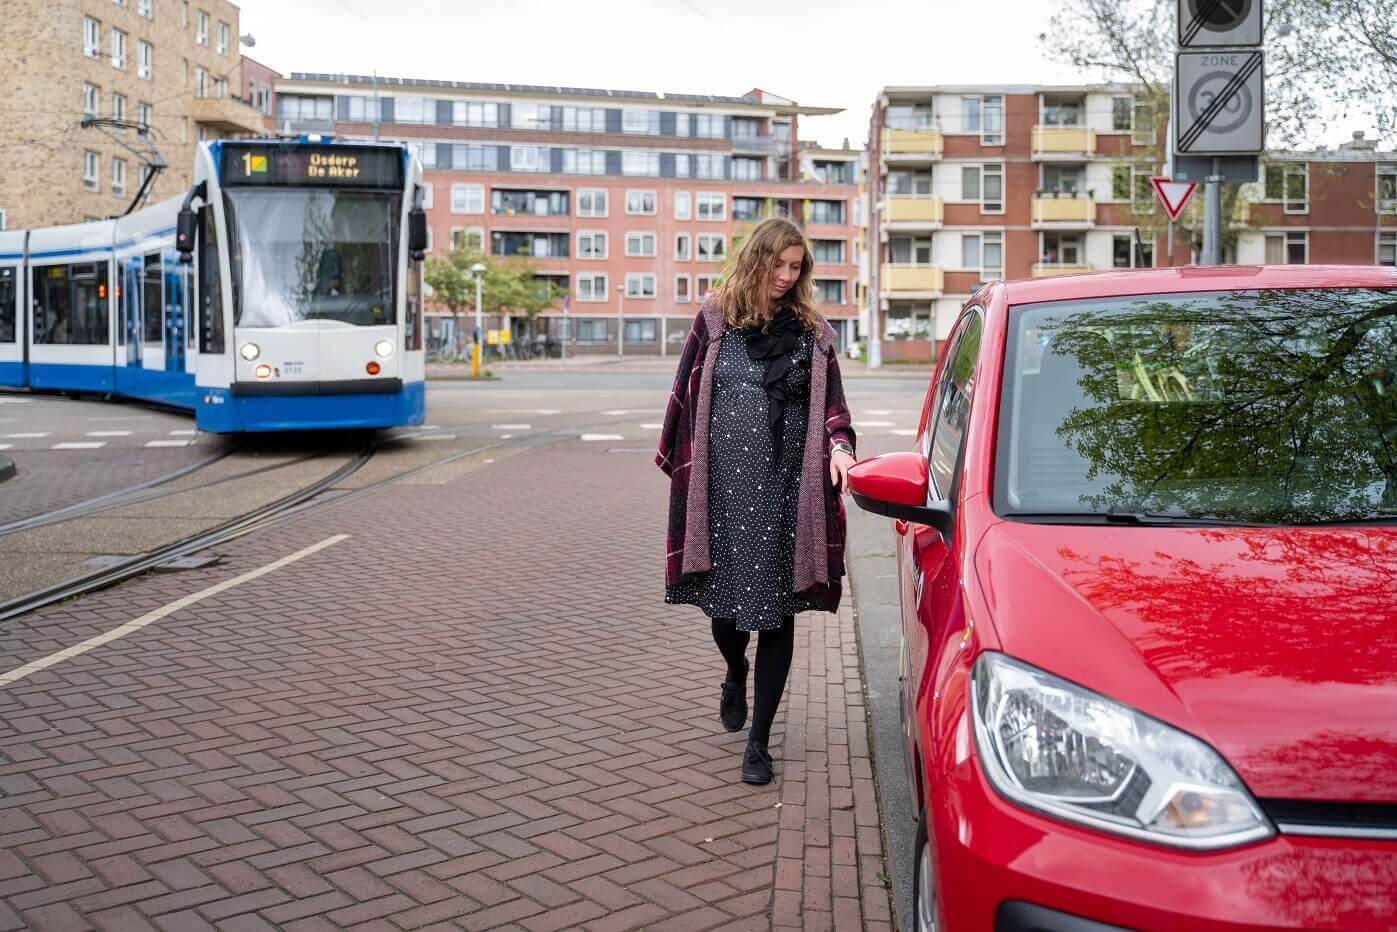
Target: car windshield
{"points": [[1275, 407], [312, 254]]}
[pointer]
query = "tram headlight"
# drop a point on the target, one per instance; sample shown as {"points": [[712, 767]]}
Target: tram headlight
{"points": [[249, 351], [384, 348]]}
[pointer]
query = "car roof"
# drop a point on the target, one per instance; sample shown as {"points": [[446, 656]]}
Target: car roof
{"points": [[1184, 279]]}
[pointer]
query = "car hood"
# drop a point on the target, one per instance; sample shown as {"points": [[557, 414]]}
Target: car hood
{"points": [[1276, 646]]}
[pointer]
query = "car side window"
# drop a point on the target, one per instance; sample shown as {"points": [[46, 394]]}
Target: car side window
{"points": [[953, 407]]}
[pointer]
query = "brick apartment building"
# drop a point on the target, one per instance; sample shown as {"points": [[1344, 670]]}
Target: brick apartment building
{"points": [[630, 201], [972, 183], [167, 64]]}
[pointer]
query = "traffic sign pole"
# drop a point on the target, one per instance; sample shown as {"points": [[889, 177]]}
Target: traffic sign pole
{"points": [[1212, 217]]}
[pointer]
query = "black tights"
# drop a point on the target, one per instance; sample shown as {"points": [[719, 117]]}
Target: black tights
{"points": [[774, 649]]}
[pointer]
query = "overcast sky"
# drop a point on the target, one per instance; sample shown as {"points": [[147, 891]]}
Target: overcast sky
{"points": [[833, 53]]}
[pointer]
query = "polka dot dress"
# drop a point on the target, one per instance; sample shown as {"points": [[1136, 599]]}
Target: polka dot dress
{"points": [[751, 499]]}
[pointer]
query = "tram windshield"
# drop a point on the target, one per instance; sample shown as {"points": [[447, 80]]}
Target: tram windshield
{"points": [[302, 254]]}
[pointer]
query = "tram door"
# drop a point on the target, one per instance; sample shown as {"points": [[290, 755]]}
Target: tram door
{"points": [[11, 322], [175, 316], [131, 310]]}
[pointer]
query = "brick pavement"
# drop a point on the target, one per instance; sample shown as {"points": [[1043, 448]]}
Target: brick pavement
{"points": [[474, 713]]}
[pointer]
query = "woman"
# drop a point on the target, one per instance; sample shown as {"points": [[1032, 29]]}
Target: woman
{"points": [[757, 442]]}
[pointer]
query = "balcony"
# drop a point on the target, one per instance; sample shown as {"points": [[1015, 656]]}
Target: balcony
{"points": [[760, 144], [1063, 142], [228, 115], [924, 143], [1049, 269], [913, 280], [295, 126], [1049, 212], [911, 211]]}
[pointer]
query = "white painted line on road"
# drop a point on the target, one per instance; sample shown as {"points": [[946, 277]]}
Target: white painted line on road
{"points": [[617, 411], [34, 436], [183, 433], [652, 426], [6, 446], [80, 445], [506, 436], [15, 401], [107, 433], [874, 423], [590, 437], [424, 427], [547, 411], [903, 432], [169, 443], [510, 427], [149, 618], [437, 437], [881, 412]]}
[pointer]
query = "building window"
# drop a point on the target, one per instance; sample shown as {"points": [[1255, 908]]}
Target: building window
{"points": [[681, 247], [70, 304], [89, 170], [1387, 187], [260, 96], [220, 87], [644, 122], [1122, 114], [747, 169], [91, 102], [907, 322], [417, 111], [970, 114], [145, 56], [829, 290], [711, 205], [512, 203], [1062, 112], [118, 176], [706, 166], [1289, 248], [640, 202], [992, 122], [467, 199], [528, 158], [145, 114], [907, 250], [1063, 249], [1132, 183], [909, 117], [427, 191], [747, 208], [521, 243], [707, 126], [646, 164], [468, 238], [831, 212], [640, 285], [118, 106], [703, 284], [118, 49], [473, 113], [1143, 130], [584, 119], [201, 81], [591, 245], [91, 37], [201, 28], [1124, 254], [591, 286], [593, 330], [983, 183], [681, 289], [1288, 182], [584, 161], [1387, 248], [829, 251], [712, 247], [909, 183], [143, 9], [681, 205], [224, 38], [591, 202], [640, 244]]}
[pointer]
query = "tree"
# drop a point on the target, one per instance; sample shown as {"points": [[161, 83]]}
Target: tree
{"points": [[508, 285]]}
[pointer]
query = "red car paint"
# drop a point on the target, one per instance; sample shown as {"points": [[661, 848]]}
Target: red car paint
{"points": [[1276, 646]]}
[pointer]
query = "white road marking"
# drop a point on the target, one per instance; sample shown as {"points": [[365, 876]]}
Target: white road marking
{"points": [[183, 433], [425, 427], [903, 432], [616, 411], [510, 427], [590, 437], [506, 436], [34, 436], [548, 411], [80, 445], [149, 618], [15, 401], [874, 423], [882, 412], [6, 446], [107, 433], [169, 443], [652, 426]]}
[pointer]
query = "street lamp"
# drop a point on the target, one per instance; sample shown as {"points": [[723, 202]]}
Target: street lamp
{"points": [[479, 271], [621, 320]]}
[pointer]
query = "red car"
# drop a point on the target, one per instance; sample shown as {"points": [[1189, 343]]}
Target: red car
{"points": [[1147, 548]]}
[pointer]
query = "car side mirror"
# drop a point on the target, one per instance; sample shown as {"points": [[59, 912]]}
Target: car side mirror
{"points": [[185, 227], [896, 485], [417, 232]]}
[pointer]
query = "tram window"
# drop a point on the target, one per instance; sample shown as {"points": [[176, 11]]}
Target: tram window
{"points": [[179, 285], [8, 281], [70, 304], [152, 302], [210, 287], [413, 320]]}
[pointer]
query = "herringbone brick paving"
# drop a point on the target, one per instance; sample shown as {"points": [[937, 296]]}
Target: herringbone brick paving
{"points": [[474, 713]]}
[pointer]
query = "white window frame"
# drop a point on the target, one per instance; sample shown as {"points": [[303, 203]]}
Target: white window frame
{"points": [[478, 231], [629, 159], [683, 201], [688, 294], [118, 105], [1391, 237], [654, 201], [1134, 257], [686, 253], [427, 192], [145, 114], [119, 177], [145, 59], [704, 203], [1297, 207], [592, 194], [461, 196], [710, 238], [843, 290], [710, 277], [225, 34], [201, 28], [988, 137], [201, 81], [592, 277], [118, 40], [639, 253], [844, 251], [1285, 236], [637, 121], [143, 8], [640, 279], [91, 99], [91, 170], [592, 239], [1385, 169], [980, 171], [91, 37], [985, 236], [2, 218], [527, 159]]}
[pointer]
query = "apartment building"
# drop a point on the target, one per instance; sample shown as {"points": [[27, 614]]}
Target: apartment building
{"points": [[631, 202], [171, 65], [973, 183]]}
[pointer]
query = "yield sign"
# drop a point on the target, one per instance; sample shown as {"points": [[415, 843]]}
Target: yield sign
{"points": [[1174, 195]]}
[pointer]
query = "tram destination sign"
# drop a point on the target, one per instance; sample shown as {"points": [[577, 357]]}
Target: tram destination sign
{"points": [[312, 166]]}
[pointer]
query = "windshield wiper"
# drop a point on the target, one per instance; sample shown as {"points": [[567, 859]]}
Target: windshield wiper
{"points": [[1137, 518]]}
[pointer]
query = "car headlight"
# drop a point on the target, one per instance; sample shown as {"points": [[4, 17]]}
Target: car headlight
{"points": [[249, 351], [1066, 751], [384, 348]]}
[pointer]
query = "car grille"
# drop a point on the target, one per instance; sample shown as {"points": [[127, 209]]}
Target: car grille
{"points": [[1343, 820]]}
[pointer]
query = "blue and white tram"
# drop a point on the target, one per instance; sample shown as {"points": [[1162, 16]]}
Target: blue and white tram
{"points": [[283, 292]]}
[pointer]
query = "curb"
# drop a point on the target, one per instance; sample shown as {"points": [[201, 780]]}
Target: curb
{"points": [[7, 468]]}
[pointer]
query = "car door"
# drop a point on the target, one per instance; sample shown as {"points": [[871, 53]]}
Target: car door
{"points": [[932, 611]]}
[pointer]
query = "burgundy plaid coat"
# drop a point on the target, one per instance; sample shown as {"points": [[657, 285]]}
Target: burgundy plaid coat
{"points": [[683, 455]]}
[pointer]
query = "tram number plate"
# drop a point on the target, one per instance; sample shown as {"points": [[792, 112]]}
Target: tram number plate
{"points": [[292, 368]]}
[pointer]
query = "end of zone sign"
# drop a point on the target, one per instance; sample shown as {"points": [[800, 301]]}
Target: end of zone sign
{"points": [[1219, 102]]}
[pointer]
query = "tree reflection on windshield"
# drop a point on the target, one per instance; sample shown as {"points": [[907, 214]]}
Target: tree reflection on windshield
{"points": [[302, 255], [1271, 406]]}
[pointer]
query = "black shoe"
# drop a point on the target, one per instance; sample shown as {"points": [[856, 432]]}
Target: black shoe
{"points": [[756, 763], [733, 707]]}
